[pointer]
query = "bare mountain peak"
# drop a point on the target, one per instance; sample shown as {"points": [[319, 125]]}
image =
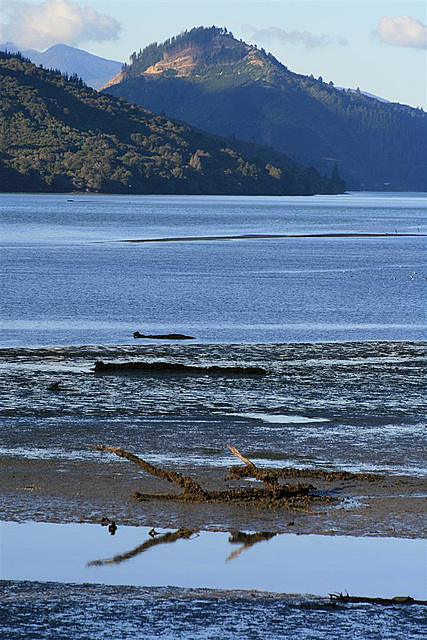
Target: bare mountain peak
{"points": [[195, 53]]}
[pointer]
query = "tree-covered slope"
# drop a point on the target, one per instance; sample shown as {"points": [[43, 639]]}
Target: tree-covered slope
{"points": [[210, 80], [56, 134]]}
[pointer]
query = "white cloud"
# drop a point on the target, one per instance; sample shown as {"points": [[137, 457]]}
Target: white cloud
{"points": [[303, 38], [402, 31], [41, 25]]}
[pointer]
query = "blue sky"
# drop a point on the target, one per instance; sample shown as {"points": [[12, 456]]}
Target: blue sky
{"points": [[377, 46]]}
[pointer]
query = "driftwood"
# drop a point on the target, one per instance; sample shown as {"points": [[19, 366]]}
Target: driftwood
{"points": [[267, 476], [341, 597], [184, 482], [237, 453], [273, 475], [162, 336], [297, 496], [175, 367]]}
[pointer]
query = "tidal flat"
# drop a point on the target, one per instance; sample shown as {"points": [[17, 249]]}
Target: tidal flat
{"points": [[338, 326], [301, 418]]}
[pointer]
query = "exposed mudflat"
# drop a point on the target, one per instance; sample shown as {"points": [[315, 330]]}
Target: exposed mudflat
{"points": [[63, 490], [272, 236], [51, 611]]}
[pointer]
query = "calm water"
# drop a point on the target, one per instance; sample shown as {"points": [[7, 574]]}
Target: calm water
{"points": [[283, 563], [337, 322], [67, 280], [79, 573]]}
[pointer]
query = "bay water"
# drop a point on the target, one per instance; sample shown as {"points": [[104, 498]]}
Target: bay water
{"points": [[337, 321]]}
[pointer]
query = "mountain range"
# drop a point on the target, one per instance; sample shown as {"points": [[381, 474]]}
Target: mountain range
{"points": [[93, 70], [59, 135], [209, 79]]}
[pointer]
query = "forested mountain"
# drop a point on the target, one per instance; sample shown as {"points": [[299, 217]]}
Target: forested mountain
{"points": [[209, 79], [58, 135], [93, 70]]}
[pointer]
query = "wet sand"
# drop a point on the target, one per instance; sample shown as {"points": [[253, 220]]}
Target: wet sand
{"points": [[58, 490]]}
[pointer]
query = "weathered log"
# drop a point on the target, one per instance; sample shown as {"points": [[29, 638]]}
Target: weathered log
{"points": [[237, 453], [162, 336], [239, 473], [341, 597], [184, 482], [297, 496], [175, 367]]}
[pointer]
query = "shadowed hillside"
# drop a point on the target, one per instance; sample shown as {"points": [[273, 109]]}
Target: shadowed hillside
{"points": [[208, 78], [56, 134]]}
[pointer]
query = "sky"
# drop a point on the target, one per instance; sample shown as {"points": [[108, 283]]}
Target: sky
{"points": [[379, 47]]}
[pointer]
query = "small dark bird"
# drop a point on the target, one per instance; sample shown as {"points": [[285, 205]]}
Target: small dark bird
{"points": [[55, 386], [112, 527]]}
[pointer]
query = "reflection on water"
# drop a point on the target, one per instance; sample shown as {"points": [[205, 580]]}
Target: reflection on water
{"points": [[286, 563], [154, 541], [246, 540]]}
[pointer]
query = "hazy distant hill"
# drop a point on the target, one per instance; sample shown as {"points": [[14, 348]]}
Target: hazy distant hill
{"points": [[208, 78], [56, 134], [95, 71]]}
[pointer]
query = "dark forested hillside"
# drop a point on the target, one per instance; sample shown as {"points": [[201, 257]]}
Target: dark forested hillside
{"points": [[209, 79], [56, 134]]}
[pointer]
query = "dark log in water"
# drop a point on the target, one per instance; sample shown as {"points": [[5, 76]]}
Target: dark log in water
{"points": [[160, 336], [341, 597], [173, 367]]}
